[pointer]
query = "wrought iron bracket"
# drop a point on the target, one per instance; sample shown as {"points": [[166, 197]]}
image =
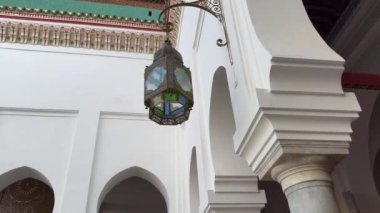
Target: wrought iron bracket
{"points": [[214, 7]]}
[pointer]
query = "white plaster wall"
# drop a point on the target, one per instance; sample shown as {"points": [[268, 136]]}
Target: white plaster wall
{"points": [[80, 150], [197, 43], [38, 140], [124, 142]]}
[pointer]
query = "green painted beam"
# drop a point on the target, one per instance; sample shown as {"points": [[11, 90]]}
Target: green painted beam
{"points": [[86, 7]]}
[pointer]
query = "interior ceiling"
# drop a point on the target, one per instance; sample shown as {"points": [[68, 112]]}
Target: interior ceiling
{"points": [[134, 9], [325, 14]]}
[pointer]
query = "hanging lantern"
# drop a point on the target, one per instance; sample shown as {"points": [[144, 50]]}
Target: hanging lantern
{"points": [[168, 87]]}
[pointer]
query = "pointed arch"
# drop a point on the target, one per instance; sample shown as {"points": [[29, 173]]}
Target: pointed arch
{"points": [[129, 173], [222, 128], [25, 189], [20, 173], [194, 183]]}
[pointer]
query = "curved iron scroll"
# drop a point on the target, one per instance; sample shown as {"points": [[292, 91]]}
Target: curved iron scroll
{"points": [[214, 7]]}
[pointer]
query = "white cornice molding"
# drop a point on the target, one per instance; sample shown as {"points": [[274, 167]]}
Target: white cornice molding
{"points": [[236, 184], [235, 202], [293, 124], [16, 111]]}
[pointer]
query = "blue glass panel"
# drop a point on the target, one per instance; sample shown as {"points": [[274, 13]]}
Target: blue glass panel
{"points": [[182, 100], [167, 108]]}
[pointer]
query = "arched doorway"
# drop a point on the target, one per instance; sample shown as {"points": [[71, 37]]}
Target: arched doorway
{"points": [[194, 186], [28, 195], [134, 194], [135, 183]]}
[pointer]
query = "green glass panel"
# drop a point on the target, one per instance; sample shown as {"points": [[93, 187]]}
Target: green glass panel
{"points": [[170, 96], [158, 112]]}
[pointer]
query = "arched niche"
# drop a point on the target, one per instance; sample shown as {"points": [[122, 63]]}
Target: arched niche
{"points": [[25, 190], [194, 185], [130, 179], [222, 128]]}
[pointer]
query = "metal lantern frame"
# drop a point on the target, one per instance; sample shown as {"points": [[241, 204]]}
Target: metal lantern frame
{"points": [[168, 91]]}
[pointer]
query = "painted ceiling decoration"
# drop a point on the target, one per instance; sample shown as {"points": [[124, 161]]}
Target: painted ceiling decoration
{"points": [[154, 4], [85, 17]]}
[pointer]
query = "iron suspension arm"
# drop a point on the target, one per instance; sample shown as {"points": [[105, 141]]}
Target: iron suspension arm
{"points": [[214, 7]]}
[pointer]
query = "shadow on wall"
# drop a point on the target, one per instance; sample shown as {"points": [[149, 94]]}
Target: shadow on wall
{"points": [[374, 143], [194, 186], [376, 172], [276, 200]]}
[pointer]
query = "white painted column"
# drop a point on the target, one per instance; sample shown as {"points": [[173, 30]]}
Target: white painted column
{"points": [[307, 184], [303, 117], [80, 168]]}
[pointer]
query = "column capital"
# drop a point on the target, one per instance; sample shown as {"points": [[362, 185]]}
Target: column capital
{"points": [[290, 125], [302, 169]]}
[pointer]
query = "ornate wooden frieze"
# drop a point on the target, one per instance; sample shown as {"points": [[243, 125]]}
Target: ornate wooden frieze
{"points": [[80, 37], [84, 31], [28, 195]]}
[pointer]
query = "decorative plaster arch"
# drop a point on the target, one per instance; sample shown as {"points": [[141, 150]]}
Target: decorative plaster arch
{"points": [[17, 174], [133, 172], [283, 49]]}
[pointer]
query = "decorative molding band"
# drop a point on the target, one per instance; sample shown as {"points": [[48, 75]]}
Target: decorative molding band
{"points": [[80, 37], [236, 184], [124, 116], [67, 17], [13, 111], [235, 202]]}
